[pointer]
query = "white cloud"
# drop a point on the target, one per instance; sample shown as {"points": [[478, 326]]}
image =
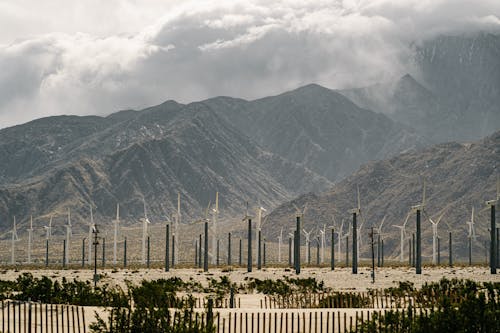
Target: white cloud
{"points": [[94, 57]]}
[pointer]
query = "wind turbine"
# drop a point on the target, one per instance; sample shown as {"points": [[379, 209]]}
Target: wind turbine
{"points": [[356, 236], [30, 239], [68, 236], [471, 234], [116, 225], [402, 229], [145, 222], [308, 243], [14, 239], [176, 232], [280, 240], [215, 215], [323, 239], [48, 229], [260, 209], [435, 236], [379, 239], [418, 243], [91, 234]]}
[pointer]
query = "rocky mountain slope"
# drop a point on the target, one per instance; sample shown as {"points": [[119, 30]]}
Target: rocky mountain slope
{"points": [[457, 176], [452, 93]]}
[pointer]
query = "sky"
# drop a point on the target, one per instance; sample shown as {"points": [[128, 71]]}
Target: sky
{"points": [[94, 57]]}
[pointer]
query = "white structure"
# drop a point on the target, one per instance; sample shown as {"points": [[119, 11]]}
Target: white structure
{"points": [[48, 229], [402, 229], [13, 244], [30, 239], [323, 240], [280, 240], [308, 242], [116, 225], [91, 237], [215, 216], [68, 236], [472, 231], [258, 228], [145, 233], [435, 236]]}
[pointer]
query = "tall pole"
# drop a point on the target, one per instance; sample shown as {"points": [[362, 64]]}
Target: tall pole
{"points": [[83, 252], [378, 250], [382, 250], [498, 247], [229, 249], [240, 259], [125, 253], [95, 231], [249, 255], [439, 251], [196, 253], [173, 250], [103, 252], [64, 254], [332, 256], [148, 257], [373, 256], [347, 251], [354, 244], [264, 252], [450, 250], [259, 248], [199, 252], [205, 253], [418, 263], [493, 242], [470, 251], [167, 247], [46, 253], [296, 243]]}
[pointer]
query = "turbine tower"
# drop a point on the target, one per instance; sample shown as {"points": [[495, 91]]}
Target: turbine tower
{"points": [[215, 215], [116, 225], [280, 240], [68, 237], [356, 239], [471, 235], [308, 243], [176, 232], [91, 235], [402, 229], [30, 239], [145, 222], [48, 229], [435, 236], [258, 229], [13, 244], [323, 240]]}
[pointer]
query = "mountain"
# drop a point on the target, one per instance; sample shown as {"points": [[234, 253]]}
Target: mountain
{"points": [[319, 128], [457, 177], [154, 153], [451, 93]]}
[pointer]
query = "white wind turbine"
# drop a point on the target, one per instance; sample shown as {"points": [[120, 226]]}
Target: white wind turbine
{"points": [[402, 229], [323, 239], [68, 236], [215, 215], [116, 225], [145, 223], [176, 233], [280, 240], [91, 232], [260, 209], [435, 236], [30, 239], [13, 244], [48, 229], [308, 242], [360, 226], [472, 230]]}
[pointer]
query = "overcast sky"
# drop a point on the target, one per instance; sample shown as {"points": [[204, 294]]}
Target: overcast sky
{"points": [[97, 57]]}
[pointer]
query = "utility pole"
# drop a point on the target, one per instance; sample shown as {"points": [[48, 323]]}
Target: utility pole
{"points": [[372, 234], [95, 243]]}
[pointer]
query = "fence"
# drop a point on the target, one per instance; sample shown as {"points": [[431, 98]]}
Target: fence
{"points": [[35, 317]]}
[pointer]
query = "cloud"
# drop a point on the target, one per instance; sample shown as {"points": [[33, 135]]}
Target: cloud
{"points": [[147, 52]]}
